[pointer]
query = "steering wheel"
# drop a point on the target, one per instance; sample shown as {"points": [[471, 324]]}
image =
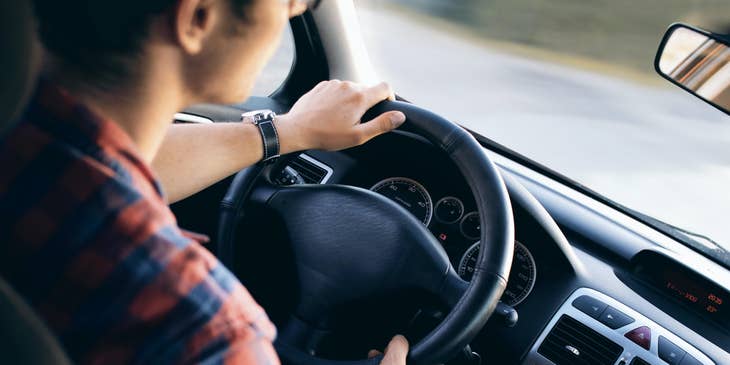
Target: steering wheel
{"points": [[350, 243]]}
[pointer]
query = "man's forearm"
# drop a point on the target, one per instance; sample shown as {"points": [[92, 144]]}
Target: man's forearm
{"points": [[195, 156]]}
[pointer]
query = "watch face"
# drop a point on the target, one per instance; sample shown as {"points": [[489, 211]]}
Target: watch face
{"points": [[255, 116]]}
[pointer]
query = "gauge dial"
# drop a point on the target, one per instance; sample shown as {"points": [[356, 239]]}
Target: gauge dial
{"points": [[409, 194], [449, 210], [470, 226], [521, 278]]}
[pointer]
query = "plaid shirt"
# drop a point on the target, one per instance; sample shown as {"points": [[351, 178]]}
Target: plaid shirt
{"points": [[88, 240]]}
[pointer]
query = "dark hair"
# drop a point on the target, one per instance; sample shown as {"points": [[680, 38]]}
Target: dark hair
{"points": [[98, 38]]}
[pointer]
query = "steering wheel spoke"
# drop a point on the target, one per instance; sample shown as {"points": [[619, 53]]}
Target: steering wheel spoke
{"points": [[300, 335], [263, 191], [448, 287], [453, 289], [297, 343]]}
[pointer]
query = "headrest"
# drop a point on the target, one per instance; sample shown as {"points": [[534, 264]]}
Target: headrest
{"points": [[24, 339], [20, 58]]}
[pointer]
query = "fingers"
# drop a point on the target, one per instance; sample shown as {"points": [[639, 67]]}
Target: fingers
{"points": [[383, 123], [373, 353], [378, 93], [368, 96], [396, 352], [201, 238]]}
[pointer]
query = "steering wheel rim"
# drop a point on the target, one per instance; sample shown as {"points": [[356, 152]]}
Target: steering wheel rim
{"points": [[472, 303]]}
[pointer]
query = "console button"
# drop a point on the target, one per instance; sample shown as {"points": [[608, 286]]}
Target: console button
{"points": [[589, 305], [670, 352], [640, 336], [613, 318], [639, 361], [689, 360]]}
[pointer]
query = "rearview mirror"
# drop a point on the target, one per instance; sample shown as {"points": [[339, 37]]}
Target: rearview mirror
{"points": [[697, 61]]}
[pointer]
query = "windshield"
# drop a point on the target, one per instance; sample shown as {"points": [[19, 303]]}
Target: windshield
{"points": [[570, 84]]}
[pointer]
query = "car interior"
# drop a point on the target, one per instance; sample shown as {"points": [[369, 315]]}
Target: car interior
{"points": [[477, 254]]}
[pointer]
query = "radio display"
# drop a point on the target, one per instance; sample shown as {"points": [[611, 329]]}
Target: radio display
{"points": [[702, 298], [689, 288]]}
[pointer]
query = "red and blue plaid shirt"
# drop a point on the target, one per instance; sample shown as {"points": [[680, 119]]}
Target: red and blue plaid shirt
{"points": [[88, 240]]}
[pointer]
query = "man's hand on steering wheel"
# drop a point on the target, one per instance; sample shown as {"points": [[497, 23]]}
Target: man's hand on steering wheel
{"points": [[328, 117], [395, 353]]}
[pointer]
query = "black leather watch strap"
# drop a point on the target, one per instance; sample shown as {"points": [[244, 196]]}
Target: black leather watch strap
{"points": [[270, 138], [264, 120]]}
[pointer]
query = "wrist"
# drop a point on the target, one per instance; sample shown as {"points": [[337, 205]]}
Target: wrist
{"points": [[291, 137]]}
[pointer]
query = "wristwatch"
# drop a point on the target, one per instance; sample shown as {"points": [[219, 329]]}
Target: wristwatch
{"points": [[264, 120]]}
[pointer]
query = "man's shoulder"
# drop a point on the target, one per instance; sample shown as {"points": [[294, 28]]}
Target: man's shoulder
{"points": [[60, 204], [103, 262], [90, 243]]}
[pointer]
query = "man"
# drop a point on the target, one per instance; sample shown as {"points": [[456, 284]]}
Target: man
{"points": [[88, 238]]}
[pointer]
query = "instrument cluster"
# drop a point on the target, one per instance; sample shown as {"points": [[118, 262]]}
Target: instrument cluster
{"points": [[459, 230]]}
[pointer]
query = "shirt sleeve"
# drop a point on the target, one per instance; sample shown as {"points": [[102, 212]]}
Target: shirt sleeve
{"points": [[190, 310], [231, 339], [226, 325]]}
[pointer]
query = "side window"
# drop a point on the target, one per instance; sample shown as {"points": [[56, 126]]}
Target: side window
{"points": [[277, 70]]}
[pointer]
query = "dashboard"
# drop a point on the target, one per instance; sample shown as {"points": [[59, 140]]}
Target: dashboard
{"points": [[433, 191], [655, 303], [427, 184]]}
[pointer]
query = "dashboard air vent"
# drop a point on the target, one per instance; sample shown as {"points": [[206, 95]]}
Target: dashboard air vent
{"points": [[311, 170], [573, 343]]}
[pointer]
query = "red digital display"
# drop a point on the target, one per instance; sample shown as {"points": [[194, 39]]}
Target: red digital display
{"points": [[686, 286], [695, 295]]}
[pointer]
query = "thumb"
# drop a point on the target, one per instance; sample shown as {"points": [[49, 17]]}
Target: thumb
{"points": [[396, 352], [383, 123]]}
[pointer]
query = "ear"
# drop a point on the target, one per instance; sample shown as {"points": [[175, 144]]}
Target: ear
{"points": [[193, 23]]}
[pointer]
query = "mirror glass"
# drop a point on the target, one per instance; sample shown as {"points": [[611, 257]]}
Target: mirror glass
{"points": [[699, 62]]}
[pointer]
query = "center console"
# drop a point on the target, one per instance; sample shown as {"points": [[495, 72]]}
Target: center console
{"points": [[591, 328]]}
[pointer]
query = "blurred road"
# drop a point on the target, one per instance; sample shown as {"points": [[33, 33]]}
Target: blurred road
{"points": [[657, 150]]}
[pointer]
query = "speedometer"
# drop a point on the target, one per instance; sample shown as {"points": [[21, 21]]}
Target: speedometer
{"points": [[521, 278], [409, 194]]}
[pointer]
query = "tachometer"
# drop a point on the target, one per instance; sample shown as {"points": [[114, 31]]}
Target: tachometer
{"points": [[409, 194], [521, 278]]}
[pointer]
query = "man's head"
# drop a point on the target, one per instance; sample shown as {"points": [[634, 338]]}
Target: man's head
{"points": [[216, 48]]}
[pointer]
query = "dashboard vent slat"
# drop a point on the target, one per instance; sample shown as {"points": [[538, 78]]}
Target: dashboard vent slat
{"points": [[309, 171], [573, 343]]}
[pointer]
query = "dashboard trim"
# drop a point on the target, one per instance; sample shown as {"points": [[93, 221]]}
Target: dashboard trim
{"points": [[191, 118], [631, 349], [320, 164]]}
